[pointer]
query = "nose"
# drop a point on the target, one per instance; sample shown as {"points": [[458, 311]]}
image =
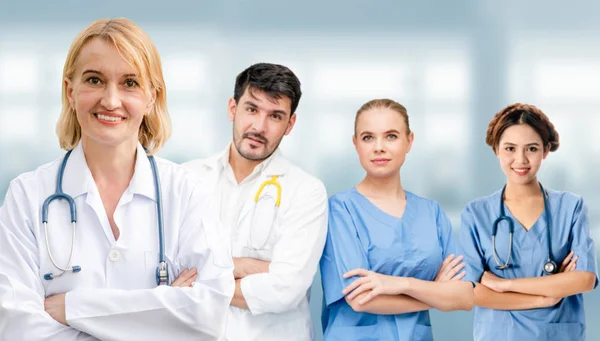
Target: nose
{"points": [[111, 99], [521, 157], [259, 124], [379, 146]]}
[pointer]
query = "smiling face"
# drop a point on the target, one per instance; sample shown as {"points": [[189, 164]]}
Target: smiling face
{"points": [[520, 152], [106, 95], [259, 123], [381, 141]]}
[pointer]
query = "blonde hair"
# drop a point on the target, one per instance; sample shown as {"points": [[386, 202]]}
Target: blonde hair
{"points": [[383, 103], [135, 46]]}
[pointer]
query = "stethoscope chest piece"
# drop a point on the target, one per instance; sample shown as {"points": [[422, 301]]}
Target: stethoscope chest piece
{"points": [[550, 267]]}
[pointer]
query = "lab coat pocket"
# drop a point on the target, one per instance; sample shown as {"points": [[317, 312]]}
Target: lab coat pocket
{"points": [[60, 284], [423, 333], [262, 224], [565, 331]]}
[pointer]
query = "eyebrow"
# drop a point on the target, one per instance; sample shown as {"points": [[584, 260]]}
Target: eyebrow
{"points": [[91, 71], [387, 132], [276, 111], [514, 144], [128, 75]]}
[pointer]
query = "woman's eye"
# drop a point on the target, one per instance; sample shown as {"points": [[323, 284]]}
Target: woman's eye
{"points": [[93, 80], [130, 83]]}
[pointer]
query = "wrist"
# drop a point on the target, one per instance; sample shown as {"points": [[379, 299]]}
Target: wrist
{"points": [[507, 285], [404, 285], [238, 268]]}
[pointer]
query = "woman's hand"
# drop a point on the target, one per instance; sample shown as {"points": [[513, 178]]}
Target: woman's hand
{"points": [[378, 284], [186, 278], [494, 282], [450, 270], [569, 263]]}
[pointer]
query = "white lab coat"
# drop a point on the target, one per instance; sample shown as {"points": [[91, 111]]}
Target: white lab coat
{"points": [[277, 300], [115, 296]]}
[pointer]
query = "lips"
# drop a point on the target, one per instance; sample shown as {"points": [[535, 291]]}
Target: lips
{"points": [[380, 161], [521, 171], [109, 118], [255, 138]]}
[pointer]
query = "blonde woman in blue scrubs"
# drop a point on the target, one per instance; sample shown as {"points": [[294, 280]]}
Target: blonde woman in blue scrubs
{"points": [[390, 255], [529, 282]]}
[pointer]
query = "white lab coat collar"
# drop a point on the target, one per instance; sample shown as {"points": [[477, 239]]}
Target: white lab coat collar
{"points": [[78, 179], [276, 164]]}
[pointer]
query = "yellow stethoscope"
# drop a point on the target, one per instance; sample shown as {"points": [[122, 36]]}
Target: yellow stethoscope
{"points": [[257, 245]]}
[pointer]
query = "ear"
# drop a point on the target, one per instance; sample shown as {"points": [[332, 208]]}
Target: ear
{"points": [[411, 138], [354, 141], [231, 107], [546, 151], [152, 102], [291, 124], [69, 92]]}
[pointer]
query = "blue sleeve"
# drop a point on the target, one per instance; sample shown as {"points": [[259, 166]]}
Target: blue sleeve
{"points": [[445, 234], [470, 246], [581, 240], [343, 252]]}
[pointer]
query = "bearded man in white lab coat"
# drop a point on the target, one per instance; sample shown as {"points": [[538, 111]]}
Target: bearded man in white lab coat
{"points": [[274, 212]]}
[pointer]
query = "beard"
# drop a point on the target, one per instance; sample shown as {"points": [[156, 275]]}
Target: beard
{"points": [[269, 148]]}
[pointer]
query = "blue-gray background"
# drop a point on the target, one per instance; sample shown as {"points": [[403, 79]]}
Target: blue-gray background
{"points": [[452, 63]]}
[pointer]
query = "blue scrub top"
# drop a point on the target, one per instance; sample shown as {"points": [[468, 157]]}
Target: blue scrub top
{"points": [[360, 235], [569, 231]]}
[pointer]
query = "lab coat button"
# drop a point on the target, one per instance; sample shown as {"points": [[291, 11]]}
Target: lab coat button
{"points": [[114, 256]]}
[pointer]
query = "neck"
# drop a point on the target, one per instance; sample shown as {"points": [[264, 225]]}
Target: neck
{"points": [[110, 165], [521, 191], [241, 166], [382, 187]]}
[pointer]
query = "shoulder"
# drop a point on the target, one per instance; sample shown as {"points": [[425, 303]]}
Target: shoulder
{"points": [[422, 202], [566, 201], [176, 177], [563, 195], [340, 201], [301, 180], [201, 165], [34, 179], [485, 203]]}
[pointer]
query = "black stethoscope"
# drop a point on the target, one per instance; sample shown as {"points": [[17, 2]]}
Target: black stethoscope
{"points": [[162, 274], [549, 266]]}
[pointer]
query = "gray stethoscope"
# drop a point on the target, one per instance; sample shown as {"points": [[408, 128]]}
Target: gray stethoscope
{"points": [[162, 274], [549, 266]]}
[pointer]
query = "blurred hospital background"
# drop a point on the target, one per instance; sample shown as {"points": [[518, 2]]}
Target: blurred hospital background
{"points": [[453, 64]]}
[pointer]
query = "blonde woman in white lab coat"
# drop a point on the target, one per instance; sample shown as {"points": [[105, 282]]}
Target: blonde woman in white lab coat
{"points": [[114, 115], [276, 242]]}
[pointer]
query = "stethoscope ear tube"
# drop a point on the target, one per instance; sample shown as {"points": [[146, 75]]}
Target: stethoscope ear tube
{"points": [[162, 275]]}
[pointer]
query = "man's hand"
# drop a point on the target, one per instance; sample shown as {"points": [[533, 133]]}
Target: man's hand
{"points": [[244, 266], [55, 307]]}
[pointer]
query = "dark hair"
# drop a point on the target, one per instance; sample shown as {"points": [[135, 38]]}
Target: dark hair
{"points": [[383, 103], [522, 114], [273, 79]]}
